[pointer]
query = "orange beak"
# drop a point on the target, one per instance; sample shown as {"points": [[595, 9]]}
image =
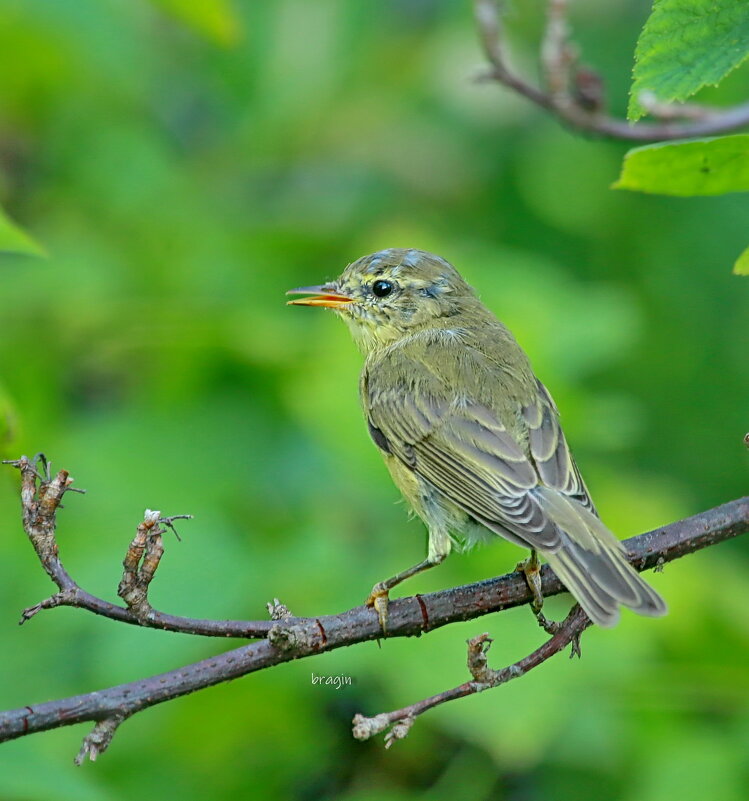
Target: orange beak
{"points": [[319, 296]]}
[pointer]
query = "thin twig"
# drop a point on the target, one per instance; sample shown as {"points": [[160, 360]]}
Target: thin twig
{"points": [[399, 721], [581, 108], [675, 111], [99, 739], [556, 53], [140, 564], [40, 499]]}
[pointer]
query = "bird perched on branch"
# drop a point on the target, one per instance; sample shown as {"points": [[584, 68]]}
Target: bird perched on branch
{"points": [[469, 434]]}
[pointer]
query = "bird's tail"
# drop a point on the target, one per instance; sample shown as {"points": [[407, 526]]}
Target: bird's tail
{"points": [[591, 563]]}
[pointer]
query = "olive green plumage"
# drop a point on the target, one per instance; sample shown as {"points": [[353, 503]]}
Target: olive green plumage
{"points": [[471, 437]]}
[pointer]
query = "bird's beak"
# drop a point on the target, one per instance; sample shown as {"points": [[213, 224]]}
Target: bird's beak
{"points": [[324, 295]]}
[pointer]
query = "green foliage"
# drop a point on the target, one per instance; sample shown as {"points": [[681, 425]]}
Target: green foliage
{"points": [[181, 188], [214, 19], [684, 46], [742, 264], [685, 169], [14, 239], [688, 44]]}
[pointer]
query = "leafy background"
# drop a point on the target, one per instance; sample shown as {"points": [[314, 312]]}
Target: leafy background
{"points": [[184, 164]]}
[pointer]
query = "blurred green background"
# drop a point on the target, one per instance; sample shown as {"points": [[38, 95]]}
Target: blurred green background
{"points": [[185, 163]]}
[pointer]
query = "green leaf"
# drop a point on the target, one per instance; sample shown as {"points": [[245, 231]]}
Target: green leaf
{"points": [[742, 264], [699, 167], [688, 44], [213, 19], [14, 240]]}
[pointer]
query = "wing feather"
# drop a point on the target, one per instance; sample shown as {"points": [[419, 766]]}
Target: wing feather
{"points": [[549, 451], [468, 454]]}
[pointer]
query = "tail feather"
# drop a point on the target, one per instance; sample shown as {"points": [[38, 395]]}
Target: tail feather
{"points": [[591, 562]]}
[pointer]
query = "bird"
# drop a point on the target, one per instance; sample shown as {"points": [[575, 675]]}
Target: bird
{"points": [[470, 435]]}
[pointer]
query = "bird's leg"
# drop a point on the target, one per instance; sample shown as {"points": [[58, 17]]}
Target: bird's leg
{"points": [[378, 598], [531, 569], [439, 548]]}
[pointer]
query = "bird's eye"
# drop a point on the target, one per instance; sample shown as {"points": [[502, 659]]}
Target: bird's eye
{"points": [[382, 288]]}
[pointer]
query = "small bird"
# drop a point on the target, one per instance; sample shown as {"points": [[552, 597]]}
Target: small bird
{"points": [[469, 434]]}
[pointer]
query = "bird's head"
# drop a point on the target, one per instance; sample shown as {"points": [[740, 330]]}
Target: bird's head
{"points": [[390, 294]]}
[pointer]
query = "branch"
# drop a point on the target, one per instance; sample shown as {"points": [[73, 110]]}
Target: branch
{"points": [[484, 678], [575, 94], [40, 499], [293, 638]]}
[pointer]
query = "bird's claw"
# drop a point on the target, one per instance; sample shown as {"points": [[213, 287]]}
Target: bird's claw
{"points": [[378, 600], [532, 572], [531, 569]]}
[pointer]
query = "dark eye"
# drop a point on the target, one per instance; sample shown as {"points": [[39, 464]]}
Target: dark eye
{"points": [[382, 288]]}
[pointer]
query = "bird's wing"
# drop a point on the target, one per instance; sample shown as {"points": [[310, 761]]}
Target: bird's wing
{"points": [[463, 449], [549, 451]]}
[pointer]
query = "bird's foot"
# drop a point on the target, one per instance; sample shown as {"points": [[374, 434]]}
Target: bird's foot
{"points": [[378, 600], [531, 569]]}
